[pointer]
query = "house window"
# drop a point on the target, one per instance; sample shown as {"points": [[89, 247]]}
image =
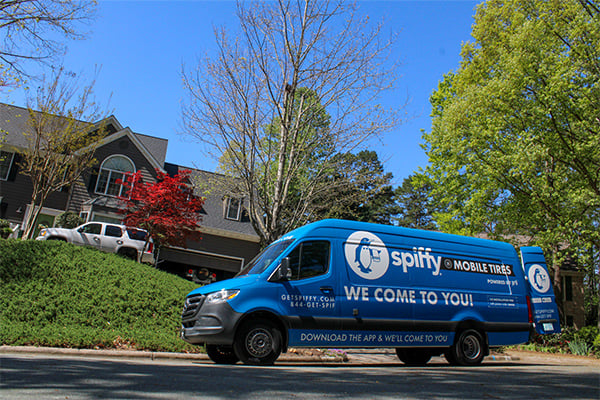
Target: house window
{"points": [[6, 159], [113, 171], [568, 288], [233, 209]]}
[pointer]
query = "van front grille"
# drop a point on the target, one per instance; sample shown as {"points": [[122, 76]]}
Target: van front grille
{"points": [[191, 307]]}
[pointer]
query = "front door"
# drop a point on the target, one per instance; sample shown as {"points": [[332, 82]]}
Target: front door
{"points": [[89, 235], [308, 297]]}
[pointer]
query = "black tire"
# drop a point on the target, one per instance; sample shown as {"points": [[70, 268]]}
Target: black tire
{"points": [[221, 354], [413, 357], [468, 349], [128, 253], [450, 357], [258, 342]]}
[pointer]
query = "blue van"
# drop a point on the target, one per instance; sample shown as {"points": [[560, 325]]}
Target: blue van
{"points": [[346, 284]]}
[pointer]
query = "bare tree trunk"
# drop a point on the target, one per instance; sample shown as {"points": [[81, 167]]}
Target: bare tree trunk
{"points": [[299, 84]]}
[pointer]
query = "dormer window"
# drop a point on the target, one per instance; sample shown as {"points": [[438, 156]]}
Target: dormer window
{"points": [[113, 171], [233, 208]]}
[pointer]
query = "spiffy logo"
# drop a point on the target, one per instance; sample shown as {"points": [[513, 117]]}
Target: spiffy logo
{"points": [[370, 255], [367, 255], [539, 278]]}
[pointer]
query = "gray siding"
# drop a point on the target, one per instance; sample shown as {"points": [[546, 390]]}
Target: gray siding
{"points": [[16, 195]]}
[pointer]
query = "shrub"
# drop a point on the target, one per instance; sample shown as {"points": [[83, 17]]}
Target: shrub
{"points": [[596, 344], [69, 220], [57, 294], [5, 230], [579, 348], [587, 334]]}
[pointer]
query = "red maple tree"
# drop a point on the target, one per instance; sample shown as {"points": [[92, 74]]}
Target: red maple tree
{"points": [[167, 208]]}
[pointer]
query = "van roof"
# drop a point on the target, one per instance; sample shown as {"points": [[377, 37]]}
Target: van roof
{"points": [[335, 224]]}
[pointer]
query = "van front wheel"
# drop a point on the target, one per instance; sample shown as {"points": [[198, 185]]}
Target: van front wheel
{"points": [[468, 349], [258, 342], [413, 357], [221, 354]]}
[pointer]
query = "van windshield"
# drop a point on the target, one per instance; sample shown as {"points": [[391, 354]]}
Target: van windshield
{"points": [[265, 258]]}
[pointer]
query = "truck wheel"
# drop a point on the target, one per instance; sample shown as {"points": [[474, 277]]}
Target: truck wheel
{"points": [[258, 342], [128, 253], [221, 354], [468, 349], [413, 357]]}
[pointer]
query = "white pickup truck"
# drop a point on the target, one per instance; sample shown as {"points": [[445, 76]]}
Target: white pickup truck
{"points": [[120, 239]]}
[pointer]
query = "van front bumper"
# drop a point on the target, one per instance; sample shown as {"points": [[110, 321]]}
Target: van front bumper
{"points": [[208, 323]]}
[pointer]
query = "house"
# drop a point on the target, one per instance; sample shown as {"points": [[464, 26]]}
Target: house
{"points": [[228, 240]]}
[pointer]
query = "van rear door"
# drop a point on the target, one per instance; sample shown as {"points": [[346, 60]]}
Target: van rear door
{"points": [[542, 301]]}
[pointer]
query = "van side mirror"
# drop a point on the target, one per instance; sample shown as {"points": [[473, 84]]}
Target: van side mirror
{"points": [[283, 272]]}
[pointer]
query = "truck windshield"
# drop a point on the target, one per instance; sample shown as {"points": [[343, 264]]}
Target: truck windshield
{"points": [[265, 258]]}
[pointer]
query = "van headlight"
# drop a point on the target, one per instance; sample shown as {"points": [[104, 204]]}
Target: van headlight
{"points": [[221, 296]]}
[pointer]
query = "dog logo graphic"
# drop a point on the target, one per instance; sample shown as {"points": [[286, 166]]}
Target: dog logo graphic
{"points": [[366, 255]]}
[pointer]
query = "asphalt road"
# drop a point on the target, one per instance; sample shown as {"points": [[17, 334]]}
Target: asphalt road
{"points": [[367, 376]]}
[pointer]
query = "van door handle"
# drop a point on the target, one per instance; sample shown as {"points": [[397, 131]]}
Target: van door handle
{"points": [[327, 289]]}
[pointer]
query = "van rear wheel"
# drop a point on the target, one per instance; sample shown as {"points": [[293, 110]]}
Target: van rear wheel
{"points": [[413, 357], [468, 349], [258, 342]]}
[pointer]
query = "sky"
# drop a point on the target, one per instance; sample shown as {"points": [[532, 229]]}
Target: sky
{"points": [[141, 46]]}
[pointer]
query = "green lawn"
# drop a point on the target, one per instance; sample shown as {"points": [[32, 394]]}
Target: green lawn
{"points": [[57, 294]]}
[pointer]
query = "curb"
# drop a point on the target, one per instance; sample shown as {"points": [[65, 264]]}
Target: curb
{"points": [[152, 355], [500, 357], [349, 358]]}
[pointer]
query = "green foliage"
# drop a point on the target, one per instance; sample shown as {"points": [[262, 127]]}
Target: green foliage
{"points": [[584, 341], [57, 294], [596, 344], [357, 189], [5, 230], [587, 334], [414, 202], [513, 148], [69, 220], [579, 348]]}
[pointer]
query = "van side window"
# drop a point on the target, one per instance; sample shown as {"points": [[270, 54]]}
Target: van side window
{"points": [[309, 259]]}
